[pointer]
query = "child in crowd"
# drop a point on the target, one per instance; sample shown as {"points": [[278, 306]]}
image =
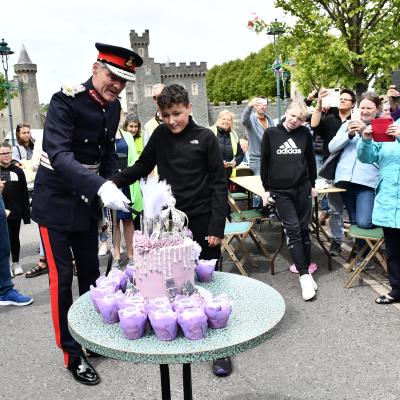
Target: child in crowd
{"points": [[16, 201], [125, 146], [288, 174]]}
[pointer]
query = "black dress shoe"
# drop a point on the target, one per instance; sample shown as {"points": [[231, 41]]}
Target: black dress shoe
{"points": [[84, 373], [222, 366]]}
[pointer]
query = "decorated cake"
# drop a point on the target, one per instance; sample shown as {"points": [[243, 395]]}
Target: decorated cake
{"points": [[164, 252], [160, 288]]}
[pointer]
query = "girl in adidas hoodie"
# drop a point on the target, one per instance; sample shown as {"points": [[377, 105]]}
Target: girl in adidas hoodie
{"points": [[288, 174]]}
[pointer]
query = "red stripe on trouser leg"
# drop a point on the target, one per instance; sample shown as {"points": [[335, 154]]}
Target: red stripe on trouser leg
{"points": [[53, 278]]}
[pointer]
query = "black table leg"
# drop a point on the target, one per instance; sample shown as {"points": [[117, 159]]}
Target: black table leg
{"points": [[187, 382], [317, 232], [165, 386]]}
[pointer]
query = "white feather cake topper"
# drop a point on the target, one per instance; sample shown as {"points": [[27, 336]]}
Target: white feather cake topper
{"points": [[159, 212], [155, 196]]}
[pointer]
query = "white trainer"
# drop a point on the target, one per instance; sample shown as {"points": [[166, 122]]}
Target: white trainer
{"points": [[16, 268], [11, 272], [307, 286], [103, 248]]}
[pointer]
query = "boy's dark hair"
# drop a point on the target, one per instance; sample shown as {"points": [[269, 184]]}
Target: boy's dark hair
{"points": [[351, 93], [173, 94], [5, 144]]}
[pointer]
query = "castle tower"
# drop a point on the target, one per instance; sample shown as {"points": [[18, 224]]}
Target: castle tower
{"points": [[29, 97], [138, 94], [192, 76]]}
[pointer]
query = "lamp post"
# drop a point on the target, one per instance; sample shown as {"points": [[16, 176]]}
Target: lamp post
{"points": [[5, 51], [276, 29]]}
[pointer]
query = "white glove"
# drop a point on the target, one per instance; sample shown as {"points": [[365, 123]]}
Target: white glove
{"points": [[112, 197]]}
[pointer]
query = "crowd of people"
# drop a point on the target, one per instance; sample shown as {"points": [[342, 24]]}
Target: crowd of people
{"points": [[88, 162]]}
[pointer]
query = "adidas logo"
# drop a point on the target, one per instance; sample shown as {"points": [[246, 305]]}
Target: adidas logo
{"points": [[289, 147]]}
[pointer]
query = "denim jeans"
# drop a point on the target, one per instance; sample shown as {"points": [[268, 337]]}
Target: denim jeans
{"points": [[359, 202], [255, 166], [5, 274], [336, 217]]}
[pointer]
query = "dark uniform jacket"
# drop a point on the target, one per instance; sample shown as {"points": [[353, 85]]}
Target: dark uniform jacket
{"points": [[78, 130], [191, 163]]}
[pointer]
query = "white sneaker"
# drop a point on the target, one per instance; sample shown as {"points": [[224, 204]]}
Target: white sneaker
{"points": [[308, 286], [103, 248], [16, 268], [11, 272], [131, 262]]}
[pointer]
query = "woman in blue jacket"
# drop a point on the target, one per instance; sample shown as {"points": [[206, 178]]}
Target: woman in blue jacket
{"points": [[357, 178], [386, 211]]}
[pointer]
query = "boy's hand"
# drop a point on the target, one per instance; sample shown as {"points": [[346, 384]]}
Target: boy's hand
{"points": [[214, 241], [265, 198], [1, 187], [314, 192]]}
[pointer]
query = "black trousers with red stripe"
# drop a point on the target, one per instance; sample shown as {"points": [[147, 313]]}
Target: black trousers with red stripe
{"points": [[57, 247]]}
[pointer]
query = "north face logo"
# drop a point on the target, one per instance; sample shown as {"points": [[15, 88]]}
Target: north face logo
{"points": [[289, 147]]}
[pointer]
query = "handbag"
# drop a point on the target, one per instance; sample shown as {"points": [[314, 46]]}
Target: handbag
{"points": [[328, 168]]}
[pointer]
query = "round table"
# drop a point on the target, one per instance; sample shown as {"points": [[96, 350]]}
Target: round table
{"points": [[257, 309]]}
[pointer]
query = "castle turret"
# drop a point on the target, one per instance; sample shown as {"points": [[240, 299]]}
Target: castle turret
{"points": [[26, 75], [140, 44]]}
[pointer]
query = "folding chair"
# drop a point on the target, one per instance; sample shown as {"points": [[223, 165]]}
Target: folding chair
{"points": [[373, 241], [249, 216], [238, 231]]}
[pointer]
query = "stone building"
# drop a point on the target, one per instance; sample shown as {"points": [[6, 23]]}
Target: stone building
{"points": [[25, 104], [192, 76]]}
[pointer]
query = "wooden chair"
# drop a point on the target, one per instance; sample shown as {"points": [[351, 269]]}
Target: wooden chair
{"points": [[373, 241], [249, 216], [237, 231]]}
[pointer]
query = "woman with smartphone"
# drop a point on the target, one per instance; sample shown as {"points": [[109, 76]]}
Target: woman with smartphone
{"points": [[359, 179], [386, 211]]}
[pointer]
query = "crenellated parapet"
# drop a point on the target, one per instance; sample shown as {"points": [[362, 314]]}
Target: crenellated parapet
{"points": [[183, 70]]}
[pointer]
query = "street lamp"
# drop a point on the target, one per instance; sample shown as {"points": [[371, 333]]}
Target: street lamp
{"points": [[276, 29], [5, 51]]}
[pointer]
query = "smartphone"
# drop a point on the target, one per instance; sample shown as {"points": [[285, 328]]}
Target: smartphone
{"points": [[332, 99], [379, 128], [396, 78], [355, 114]]}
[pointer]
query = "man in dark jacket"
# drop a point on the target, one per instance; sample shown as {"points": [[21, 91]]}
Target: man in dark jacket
{"points": [[78, 156]]}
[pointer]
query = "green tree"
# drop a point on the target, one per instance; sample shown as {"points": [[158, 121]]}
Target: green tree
{"points": [[350, 42], [3, 94], [239, 80]]}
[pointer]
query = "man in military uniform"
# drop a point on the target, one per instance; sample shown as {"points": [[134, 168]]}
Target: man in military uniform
{"points": [[78, 156]]}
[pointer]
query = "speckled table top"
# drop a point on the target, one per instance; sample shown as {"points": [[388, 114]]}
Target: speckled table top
{"points": [[257, 309]]}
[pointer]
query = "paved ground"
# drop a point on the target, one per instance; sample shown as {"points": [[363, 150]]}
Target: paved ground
{"points": [[340, 346]]}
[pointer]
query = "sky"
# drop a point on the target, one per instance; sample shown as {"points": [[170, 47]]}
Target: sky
{"points": [[59, 36]]}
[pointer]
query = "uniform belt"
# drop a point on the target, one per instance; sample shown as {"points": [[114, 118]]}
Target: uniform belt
{"points": [[45, 162]]}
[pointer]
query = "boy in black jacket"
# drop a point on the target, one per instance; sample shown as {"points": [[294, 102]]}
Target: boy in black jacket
{"points": [[288, 174], [188, 158]]}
